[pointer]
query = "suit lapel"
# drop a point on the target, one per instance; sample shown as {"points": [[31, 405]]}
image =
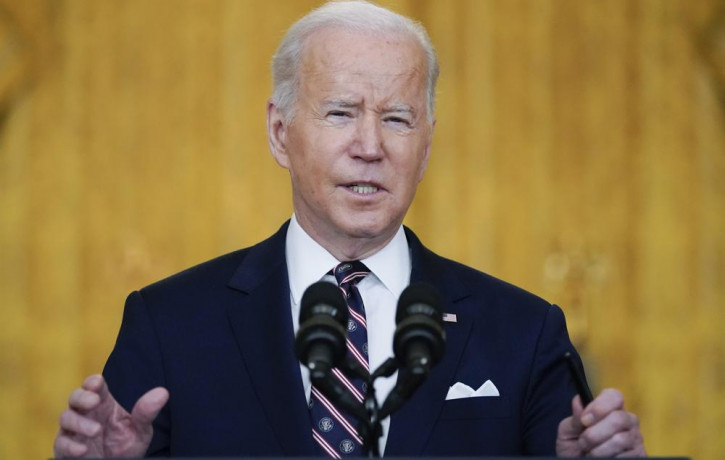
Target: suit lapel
{"points": [[411, 427], [262, 325], [272, 366]]}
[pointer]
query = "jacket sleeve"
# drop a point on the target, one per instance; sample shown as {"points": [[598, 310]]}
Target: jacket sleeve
{"points": [[136, 365], [550, 389]]}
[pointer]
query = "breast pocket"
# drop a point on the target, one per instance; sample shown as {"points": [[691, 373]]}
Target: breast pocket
{"points": [[476, 408]]}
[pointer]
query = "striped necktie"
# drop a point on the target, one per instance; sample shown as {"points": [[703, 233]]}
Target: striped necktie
{"points": [[334, 430]]}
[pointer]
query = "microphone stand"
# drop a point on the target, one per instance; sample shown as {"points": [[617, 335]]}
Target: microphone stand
{"points": [[418, 340], [369, 414], [370, 427]]}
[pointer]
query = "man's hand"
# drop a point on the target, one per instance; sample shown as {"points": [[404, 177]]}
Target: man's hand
{"points": [[95, 425], [602, 429]]}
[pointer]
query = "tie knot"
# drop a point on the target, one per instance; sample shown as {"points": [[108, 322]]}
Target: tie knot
{"points": [[350, 272]]}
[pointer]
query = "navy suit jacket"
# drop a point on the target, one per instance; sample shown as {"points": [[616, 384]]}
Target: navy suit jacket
{"points": [[219, 337]]}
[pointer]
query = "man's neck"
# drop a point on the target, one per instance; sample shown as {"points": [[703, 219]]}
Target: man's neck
{"points": [[345, 247]]}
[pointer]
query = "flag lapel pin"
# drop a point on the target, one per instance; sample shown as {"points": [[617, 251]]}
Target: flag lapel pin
{"points": [[450, 317]]}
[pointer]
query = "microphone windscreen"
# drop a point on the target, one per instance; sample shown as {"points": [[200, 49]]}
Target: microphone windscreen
{"points": [[323, 298], [415, 295]]}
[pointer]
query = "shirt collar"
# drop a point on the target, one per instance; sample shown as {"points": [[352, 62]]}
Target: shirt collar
{"points": [[308, 262]]}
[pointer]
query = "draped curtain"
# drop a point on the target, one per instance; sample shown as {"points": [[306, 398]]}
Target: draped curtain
{"points": [[579, 153]]}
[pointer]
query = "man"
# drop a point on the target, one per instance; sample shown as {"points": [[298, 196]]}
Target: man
{"points": [[204, 363]]}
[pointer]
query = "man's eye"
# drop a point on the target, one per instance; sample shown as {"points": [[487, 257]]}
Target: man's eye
{"points": [[398, 120], [338, 114]]}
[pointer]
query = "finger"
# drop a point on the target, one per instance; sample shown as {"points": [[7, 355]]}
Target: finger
{"points": [[97, 384], [619, 443], [93, 383], [571, 427], [65, 447], [148, 406], [576, 411], [637, 451], [73, 422], [607, 401], [83, 400], [614, 423]]}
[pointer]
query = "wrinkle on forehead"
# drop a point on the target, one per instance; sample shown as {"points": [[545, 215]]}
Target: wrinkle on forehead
{"points": [[336, 60]]}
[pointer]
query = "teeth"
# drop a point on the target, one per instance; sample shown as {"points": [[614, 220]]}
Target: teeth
{"points": [[363, 189]]}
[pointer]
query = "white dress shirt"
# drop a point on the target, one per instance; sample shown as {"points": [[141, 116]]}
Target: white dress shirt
{"points": [[308, 262]]}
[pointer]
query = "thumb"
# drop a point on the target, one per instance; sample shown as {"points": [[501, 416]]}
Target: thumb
{"points": [[576, 406], [572, 426], [149, 405]]}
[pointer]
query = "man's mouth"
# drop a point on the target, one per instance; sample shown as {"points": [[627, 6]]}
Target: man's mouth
{"points": [[363, 189]]}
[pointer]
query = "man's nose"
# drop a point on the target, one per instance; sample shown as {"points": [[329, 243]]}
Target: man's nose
{"points": [[369, 138]]}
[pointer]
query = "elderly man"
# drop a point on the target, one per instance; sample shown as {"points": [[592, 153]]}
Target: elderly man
{"points": [[204, 362]]}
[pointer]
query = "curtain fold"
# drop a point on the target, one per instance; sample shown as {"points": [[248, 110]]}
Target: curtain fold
{"points": [[579, 152]]}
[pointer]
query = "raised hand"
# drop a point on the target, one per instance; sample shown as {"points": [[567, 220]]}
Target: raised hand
{"points": [[95, 424], [602, 429]]}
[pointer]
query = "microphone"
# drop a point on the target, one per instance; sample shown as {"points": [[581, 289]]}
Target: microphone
{"points": [[418, 343], [419, 340], [320, 343]]}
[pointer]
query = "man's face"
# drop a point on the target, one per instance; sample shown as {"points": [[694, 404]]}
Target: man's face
{"points": [[358, 144]]}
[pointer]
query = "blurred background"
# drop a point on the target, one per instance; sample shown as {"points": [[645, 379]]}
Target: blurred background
{"points": [[579, 153]]}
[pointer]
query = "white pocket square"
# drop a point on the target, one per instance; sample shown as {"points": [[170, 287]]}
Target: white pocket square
{"points": [[461, 390]]}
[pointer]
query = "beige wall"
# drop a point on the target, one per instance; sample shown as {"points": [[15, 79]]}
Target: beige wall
{"points": [[579, 153]]}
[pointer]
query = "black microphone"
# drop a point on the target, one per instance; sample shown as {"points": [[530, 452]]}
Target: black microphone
{"points": [[419, 340], [418, 343], [320, 343]]}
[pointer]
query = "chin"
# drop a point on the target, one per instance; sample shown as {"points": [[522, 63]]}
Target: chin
{"points": [[369, 229]]}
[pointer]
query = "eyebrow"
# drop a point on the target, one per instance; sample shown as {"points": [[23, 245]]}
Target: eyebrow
{"points": [[340, 103], [351, 104], [399, 108]]}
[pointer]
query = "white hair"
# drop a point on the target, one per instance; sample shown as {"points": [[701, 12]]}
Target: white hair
{"points": [[353, 16]]}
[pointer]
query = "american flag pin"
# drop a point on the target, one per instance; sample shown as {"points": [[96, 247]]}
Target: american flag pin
{"points": [[450, 317]]}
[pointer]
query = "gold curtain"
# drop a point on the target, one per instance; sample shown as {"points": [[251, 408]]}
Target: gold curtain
{"points": [[579, 153]]}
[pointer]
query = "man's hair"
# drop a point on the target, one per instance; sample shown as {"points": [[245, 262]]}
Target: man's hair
{"points": [[349, 15]]}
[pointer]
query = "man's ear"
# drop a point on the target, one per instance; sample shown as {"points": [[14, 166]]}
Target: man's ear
{"points": [[277, 134], [426, 153]]}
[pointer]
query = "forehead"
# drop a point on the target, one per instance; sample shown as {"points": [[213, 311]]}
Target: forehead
{"points": [[388, 64]]}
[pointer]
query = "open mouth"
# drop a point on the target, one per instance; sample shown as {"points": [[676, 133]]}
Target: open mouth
{"points": [[363, 189]]}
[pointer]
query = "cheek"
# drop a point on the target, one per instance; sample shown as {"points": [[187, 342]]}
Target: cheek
{"points": [[310, 176], [411, 167], [421, 172]]}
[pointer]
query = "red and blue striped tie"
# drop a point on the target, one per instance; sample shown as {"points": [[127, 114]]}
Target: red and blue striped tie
{"points": [[334, 430]]}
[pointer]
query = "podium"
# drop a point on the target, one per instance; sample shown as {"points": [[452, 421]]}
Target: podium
{"points": [[403, 458]]}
